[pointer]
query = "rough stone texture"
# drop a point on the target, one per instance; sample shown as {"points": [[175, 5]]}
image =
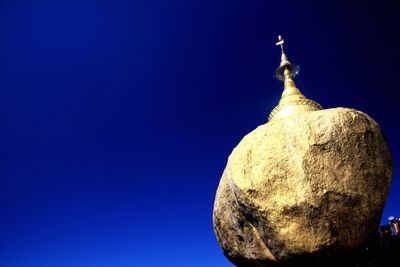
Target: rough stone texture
{"points": [[303, 188]]}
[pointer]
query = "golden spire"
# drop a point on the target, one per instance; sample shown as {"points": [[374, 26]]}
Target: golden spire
{"points": [[292, 100]]}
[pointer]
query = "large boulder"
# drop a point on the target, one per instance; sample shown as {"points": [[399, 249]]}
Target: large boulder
{"points": [[303, 188]]}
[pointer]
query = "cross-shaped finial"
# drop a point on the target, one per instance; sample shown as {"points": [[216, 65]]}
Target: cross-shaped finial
{"points": [[280, 42]]}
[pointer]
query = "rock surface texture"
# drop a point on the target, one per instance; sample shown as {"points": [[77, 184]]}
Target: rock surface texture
{"points": [[303, 188]]}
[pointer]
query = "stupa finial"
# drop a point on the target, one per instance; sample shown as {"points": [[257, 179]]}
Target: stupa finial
{"points": [[292, 70]]}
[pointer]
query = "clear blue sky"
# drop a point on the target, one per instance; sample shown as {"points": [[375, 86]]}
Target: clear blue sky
{"points": [[117, 117]]}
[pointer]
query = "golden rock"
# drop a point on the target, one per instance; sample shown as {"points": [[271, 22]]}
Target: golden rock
{"points": [[304, 186]]}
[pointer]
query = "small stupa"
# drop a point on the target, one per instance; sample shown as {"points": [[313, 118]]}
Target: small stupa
{"points": [[309, 186], [292, 100]]}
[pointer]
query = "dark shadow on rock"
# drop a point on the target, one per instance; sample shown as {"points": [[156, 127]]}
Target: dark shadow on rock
{"points": [[378, 253]]}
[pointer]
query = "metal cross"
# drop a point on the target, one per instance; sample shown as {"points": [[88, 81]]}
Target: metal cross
{"points": [[280, 42]]}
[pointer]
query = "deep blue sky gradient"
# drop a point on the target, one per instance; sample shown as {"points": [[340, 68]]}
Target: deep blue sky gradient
{"points": [[117, 117]]}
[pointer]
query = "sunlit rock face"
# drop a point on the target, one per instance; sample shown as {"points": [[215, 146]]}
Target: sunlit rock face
{"points": [[304, 187]]}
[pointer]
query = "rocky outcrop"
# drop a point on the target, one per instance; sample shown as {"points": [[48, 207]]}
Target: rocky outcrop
{"points": [[303, 188]]}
